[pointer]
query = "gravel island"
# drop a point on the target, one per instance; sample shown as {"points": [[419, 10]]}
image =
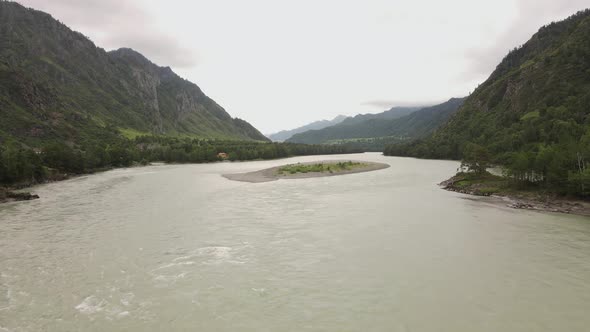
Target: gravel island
{"points": [[307, 170]]}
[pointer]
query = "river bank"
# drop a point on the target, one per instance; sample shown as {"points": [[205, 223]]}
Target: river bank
{"points": [[501, 191], [275, 173], [16, 192], [7, 195]]}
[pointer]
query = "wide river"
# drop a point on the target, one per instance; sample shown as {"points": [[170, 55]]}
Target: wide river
{"points": [[180, 248]]}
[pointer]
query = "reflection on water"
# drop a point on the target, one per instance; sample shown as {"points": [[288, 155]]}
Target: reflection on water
{"points": [[182, 248]]}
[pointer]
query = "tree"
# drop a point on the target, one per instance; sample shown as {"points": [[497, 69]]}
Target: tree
{"points": [[476, 159], [18, 164]]}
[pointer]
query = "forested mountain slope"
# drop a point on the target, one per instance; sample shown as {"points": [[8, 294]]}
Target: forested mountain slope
{"points": [[424, 121], [284, 135], [413, 124], [533, 112], [393, 113], [56, 85], [348, 128]]}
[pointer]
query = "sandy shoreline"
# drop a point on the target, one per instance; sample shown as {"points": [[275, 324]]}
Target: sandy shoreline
{"points": [[271, 174]]}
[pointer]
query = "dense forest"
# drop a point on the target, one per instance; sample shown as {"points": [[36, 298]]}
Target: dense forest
{"points": [[372, 144], [23, 166], [531, 116]]}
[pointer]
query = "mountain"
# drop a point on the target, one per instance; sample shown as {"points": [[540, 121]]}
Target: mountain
{"points": [[425, 121], [414, 123], [531, 115], [284, 135], [359, 126], [392, 113], [56, 85]]}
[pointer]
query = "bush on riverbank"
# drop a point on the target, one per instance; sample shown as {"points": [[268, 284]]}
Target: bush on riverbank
{"points": [[320, 167]]}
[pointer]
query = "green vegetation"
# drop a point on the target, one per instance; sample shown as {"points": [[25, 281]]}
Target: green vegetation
{"points": [[56, 86], [483, 184], [69, 107], [284, 135], [360, 126], [486, 184], [373, 132], [130, 133], [371, 144], [532, 115], [320, 167], [20, 165], [476, 159]]}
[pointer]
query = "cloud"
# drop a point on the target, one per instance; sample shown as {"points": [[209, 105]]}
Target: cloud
{"points": [[112, 24], [387, 104], [530, 16]]}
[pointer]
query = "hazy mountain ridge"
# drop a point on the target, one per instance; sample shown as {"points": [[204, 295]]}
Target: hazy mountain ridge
{"points": [[393, 113], [57, 85], [424, 121], [359, 126], [414, 122], [284, 135]]}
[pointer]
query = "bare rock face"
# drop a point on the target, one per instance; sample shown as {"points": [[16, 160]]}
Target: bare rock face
{"points": [[175, 103], [148, 86]]}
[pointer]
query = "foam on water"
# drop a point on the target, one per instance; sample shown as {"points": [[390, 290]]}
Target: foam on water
{"points": [[216, 255], [123, 314], [173, 265], [7, 299], [127, 298], [182, 266], [209, 255], [94, 306], [260, 291], [170, 279], [91, 305]]}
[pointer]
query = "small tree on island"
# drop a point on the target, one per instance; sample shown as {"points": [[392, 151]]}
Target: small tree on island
{"points": [[476, 159]]}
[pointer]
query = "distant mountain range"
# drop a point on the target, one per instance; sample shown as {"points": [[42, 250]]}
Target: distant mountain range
{"points": [[399, 122], [56, 85], [392, 113], [295, 135], [284, 135], [424, 121]]}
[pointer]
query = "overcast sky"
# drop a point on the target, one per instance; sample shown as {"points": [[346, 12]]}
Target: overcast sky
{"points": [[282, 64]]}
